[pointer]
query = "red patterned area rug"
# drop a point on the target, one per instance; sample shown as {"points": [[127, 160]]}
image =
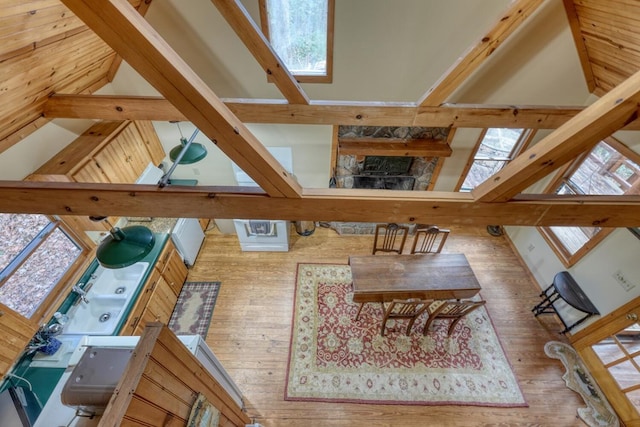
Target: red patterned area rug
{"points": [[334, 358], [194, 308]]}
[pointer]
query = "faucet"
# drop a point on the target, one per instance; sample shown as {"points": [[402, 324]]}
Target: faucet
{"points": [[81, 292]]}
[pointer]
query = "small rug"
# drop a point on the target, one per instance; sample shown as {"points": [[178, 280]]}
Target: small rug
{"points": [[194, 308], [334, 358], [598, 412]]}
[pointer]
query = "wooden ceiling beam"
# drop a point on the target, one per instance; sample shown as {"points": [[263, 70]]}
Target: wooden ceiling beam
{"points": [[245, 27], [394, 147], [477, 54], [316, 204], [131, 36], [110, 107], [143, 8], [583, 132]]}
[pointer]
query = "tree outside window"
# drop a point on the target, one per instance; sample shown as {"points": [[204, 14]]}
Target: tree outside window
{"points": [[36, 255], [609, 168], [496, 147], [301, 32]]}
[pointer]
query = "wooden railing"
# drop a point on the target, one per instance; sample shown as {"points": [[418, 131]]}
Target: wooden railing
{"points": [[161, 383]]}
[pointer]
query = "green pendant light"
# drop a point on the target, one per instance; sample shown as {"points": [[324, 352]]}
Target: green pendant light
{"points": [[193, 153], [124, 247], [184, 154], [188, 151]]}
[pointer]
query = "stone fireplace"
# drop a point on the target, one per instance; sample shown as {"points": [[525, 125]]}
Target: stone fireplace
{"points": [[387, 172], [368, 170]]}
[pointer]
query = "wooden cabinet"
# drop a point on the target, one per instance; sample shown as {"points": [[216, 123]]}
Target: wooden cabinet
{"points": [[160, 292], [159, 307], [108, 152], [16, 332], [172, 268]]}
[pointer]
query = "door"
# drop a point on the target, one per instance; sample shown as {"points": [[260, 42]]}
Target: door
{"points": [[611, 351]]}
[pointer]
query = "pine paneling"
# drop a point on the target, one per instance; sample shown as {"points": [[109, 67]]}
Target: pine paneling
{"points": [[45, 49], [607, 38], [15, 333]]}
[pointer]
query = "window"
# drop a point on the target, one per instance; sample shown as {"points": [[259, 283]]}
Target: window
{"points": [[301, 32], [35, 256], [495, 148], [610, 168]]}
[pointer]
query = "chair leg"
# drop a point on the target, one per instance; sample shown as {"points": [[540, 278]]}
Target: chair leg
{"points": [[453, 326], [410, 325], [430, 319], [359, 310]]}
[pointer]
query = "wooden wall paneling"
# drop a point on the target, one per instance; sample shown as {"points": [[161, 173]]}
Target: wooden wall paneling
{"points": [[15, 333], [574, 25], [116, 161], [90, 172], [619, 63], [150, 138], [135, 149], [185, 366], [67, 64], [21, 28], [162, 381], [55, 65]]}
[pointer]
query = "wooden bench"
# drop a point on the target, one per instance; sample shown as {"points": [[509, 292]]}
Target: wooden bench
{"points": [[565, 287]]}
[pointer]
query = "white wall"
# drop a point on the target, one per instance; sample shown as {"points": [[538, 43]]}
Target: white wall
{"points": [[35, 150]]}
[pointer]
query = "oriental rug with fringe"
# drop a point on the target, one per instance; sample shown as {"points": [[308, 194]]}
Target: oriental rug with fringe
{"points": [[334, 358]]}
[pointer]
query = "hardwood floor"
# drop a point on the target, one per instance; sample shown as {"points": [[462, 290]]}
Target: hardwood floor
{"points": [[250, 333]]}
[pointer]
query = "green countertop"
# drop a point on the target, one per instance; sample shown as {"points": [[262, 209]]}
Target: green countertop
{"points": [[43, 380]]}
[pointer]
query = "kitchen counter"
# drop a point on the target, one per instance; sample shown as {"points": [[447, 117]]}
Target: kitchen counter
{"points": [[157, 225], [45, 372]]}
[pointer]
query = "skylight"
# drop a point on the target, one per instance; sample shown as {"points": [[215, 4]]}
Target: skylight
{"points": [[301, 32]]}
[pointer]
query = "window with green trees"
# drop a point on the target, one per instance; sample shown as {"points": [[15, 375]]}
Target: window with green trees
{"points": [[301, 32]]}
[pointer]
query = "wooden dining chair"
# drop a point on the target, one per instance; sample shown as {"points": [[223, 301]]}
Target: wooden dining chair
{"points": [[450, 309], [429, 240], [390, 238], [409, 309]]}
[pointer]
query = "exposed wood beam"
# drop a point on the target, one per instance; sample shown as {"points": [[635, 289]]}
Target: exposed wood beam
{"points": [[109, 107], [245, 27], [605, 116], [129, 34], [394, 147], [142, 9], [316, 204], [477, 54]]}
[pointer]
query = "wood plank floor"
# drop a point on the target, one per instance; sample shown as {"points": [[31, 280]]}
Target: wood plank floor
{"points": [[251, 328]]}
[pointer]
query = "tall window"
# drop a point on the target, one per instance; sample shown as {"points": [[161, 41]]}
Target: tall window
{"points": [[301, 32], [495, 148], [36, 254], [610, 168]]}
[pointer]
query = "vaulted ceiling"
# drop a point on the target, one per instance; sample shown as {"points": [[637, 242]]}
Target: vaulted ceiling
{"points": [[56, 54]]}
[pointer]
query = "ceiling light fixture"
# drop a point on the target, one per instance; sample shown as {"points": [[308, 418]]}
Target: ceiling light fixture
{"points": [[123, 247], [186, 153]]}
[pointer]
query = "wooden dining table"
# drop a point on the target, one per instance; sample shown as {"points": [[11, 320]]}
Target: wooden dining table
{"points": [[383, 278]]}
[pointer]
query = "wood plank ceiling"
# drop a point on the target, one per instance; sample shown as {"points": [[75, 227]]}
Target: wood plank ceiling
{"points": [[68, 49], [606, 37]]}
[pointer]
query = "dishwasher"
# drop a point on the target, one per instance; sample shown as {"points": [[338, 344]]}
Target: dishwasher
{"points": [[188, 236]]}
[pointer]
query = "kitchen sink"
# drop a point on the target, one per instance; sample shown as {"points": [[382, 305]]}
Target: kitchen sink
{"points": [[108, 293]]}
